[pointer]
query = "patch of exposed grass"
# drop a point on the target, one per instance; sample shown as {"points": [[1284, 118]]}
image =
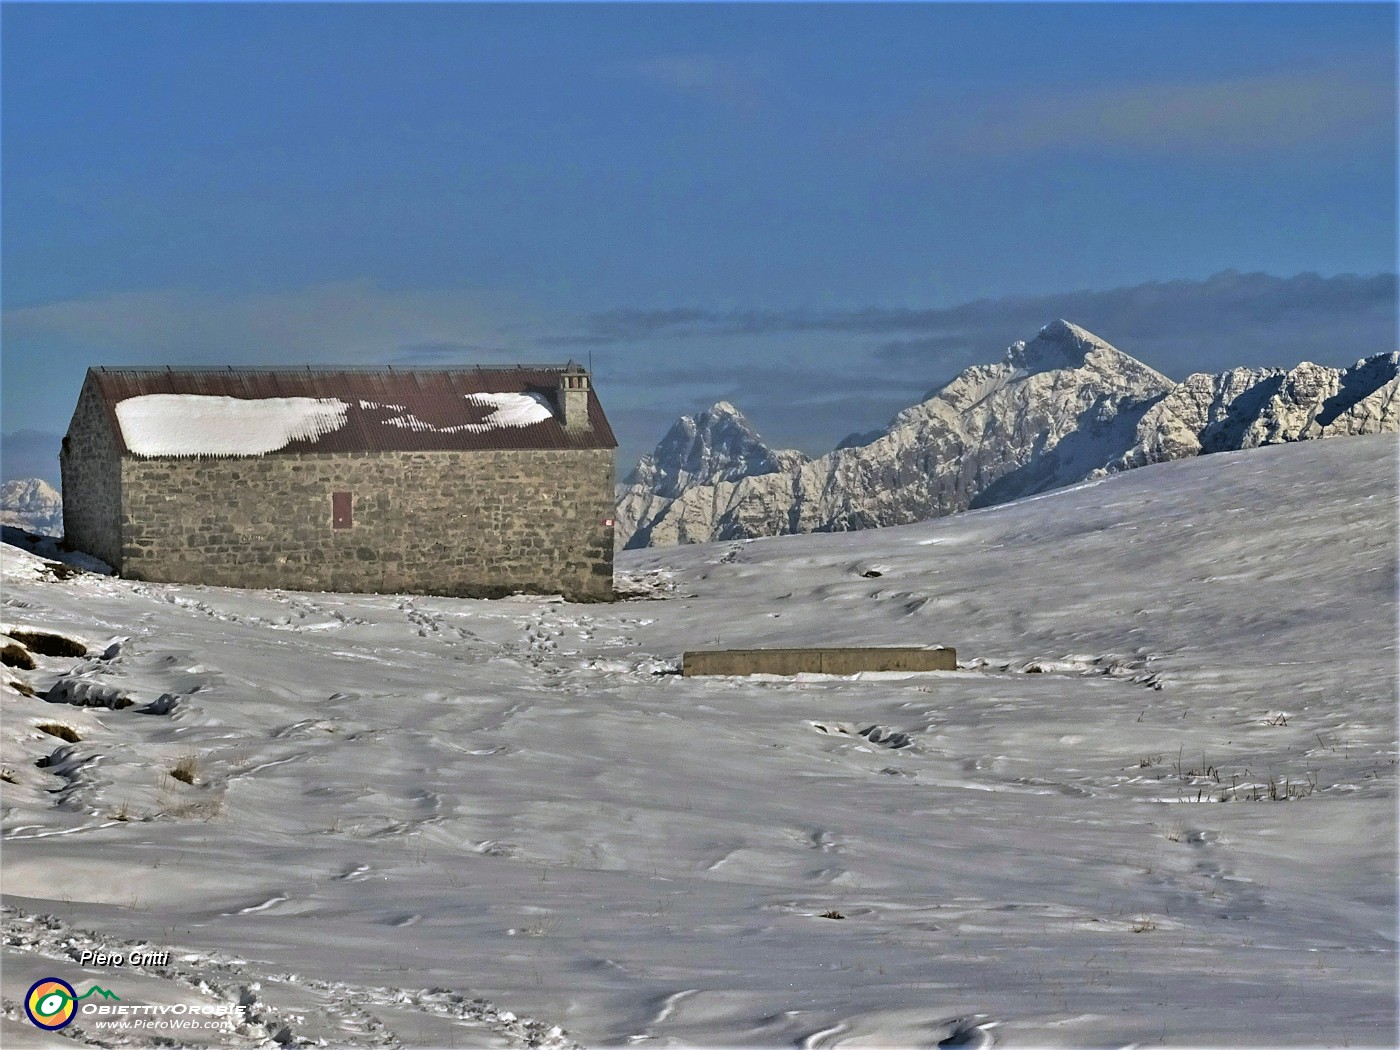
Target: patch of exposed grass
{"points": [[1277, 789], [8, 775], [59, 730], [46, 643], [20, 686], [1201, 771], [185, 769], [16, 655]]}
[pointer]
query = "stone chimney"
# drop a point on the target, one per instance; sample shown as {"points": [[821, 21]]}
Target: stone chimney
{"points": [[573, 396]]}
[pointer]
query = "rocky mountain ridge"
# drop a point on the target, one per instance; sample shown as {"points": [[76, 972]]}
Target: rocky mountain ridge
{"points": [[718, 444], [1246, 408], [33, 505], [1061, 408]]}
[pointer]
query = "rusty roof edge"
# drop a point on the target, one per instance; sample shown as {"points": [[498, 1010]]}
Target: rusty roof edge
{"points": [[553, 366]]}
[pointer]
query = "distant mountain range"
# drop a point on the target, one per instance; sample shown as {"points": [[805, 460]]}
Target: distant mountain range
{"points": [[1062, 408], [32, 505]]}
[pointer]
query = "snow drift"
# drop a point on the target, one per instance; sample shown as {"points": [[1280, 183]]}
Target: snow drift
{"points": [[1155, 805]]}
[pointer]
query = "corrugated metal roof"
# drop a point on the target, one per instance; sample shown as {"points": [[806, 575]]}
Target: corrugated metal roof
{"points": [[437, 398]]}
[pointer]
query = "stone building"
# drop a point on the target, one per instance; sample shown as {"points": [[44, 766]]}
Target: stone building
{"points": [[470, 482]]}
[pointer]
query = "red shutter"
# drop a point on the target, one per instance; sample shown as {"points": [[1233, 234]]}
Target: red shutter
{"points": [[340, 510]]}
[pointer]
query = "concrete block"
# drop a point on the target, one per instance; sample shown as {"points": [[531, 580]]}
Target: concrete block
{"points": [[842, 661]]}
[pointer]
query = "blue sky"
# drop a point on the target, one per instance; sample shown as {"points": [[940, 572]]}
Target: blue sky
{"points": [[816, 211]]}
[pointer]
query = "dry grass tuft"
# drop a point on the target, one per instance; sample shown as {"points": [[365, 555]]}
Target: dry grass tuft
{"points": [[48, 643], [45, 643], [185, 769], [15, 655], [59, 730]]}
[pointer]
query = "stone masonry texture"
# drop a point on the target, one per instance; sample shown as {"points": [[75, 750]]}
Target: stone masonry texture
{"points": [[480, 523], [91, 467]]}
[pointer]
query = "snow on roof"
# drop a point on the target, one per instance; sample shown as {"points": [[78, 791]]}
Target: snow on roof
{"points": [[386, 410], [510, 410], [212, 425], [513, 410]]}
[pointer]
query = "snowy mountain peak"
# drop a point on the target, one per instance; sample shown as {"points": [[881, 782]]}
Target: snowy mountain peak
{"points": [[32, 504], [717, 444], [1059, 344], [1062, 407], [1062, 331], [1245, 408], [723, 408], [29, 494]]}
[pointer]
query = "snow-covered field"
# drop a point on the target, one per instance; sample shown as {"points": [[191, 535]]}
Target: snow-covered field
{"points": [[1155, 805]]}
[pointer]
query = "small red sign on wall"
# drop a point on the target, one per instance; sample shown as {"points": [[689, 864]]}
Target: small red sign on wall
{"points": [[340, 510]]}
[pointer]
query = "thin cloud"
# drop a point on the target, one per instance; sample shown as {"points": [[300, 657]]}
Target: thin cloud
{"points": [[1307, 114], [796, 381], [1307, 312], [1179, 327], [1228, 117], [346, 322], [622, 325], [740, 83], [429, 355], [629, 325]]}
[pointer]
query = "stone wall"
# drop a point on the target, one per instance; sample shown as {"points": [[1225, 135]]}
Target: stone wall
{"points": [[91, 467], [466, 524]]}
